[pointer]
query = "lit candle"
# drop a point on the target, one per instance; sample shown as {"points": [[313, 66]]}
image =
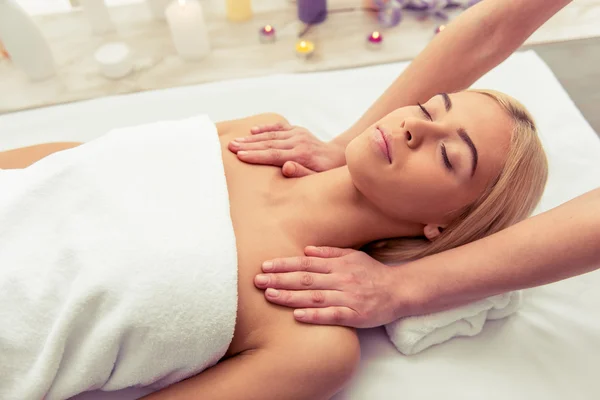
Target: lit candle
{"points": [[158, 7], [267, 34], [97, 14], [238, 10], [440, 28], [305, 48], [375, 40], [188, 29]]}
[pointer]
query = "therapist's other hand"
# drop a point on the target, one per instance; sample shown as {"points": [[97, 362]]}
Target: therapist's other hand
{"points": [[293, 148], [331, 286]]}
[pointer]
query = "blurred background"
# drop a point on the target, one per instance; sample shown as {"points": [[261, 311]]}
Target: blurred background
{"points": [[60, 51]]}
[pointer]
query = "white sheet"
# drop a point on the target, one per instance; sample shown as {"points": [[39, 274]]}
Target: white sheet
{"points": [[549, 350]]}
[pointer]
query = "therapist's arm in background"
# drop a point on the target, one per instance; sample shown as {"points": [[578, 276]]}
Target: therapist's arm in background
{"points": [[349, 288], [475, 42]]}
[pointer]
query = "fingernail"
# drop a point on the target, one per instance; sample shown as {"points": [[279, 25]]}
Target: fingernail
{"points": [[235, 144], [242, 153], [254, 128], [262, 279], [272, 292], [240, 139], [267, 266], [299, 313]]}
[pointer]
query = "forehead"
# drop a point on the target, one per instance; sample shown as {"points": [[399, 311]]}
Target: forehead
{"points": [[487, 123]]}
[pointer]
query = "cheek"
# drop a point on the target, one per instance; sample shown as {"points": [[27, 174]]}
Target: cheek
{"points": [[416, 190], [423, 192]]}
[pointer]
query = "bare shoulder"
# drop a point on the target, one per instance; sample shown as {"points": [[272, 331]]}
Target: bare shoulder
{"points": [[241, 127]]}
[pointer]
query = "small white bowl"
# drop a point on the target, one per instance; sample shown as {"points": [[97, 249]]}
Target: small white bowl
{"points": [[114, 60]]}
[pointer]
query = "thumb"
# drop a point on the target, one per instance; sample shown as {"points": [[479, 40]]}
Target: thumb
{"points": [[292, 169], [326, 252]]}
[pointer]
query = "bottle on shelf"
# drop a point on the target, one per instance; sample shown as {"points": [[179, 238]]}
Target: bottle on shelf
{"points": [[238, 10], [24, 42]]}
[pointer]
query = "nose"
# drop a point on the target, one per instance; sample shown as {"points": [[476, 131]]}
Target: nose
{"points": [[417, 132]]}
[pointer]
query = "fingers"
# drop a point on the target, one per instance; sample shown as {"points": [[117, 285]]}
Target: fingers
{"points": [[294, 264], [270, 127], [292, 169], [276, 157], [296, 281], [327, 252], [265, 136], [328, 316], [266, 145], [306, 298]]}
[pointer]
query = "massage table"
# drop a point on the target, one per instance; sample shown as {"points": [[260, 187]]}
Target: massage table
{"points": [[548, 350]]}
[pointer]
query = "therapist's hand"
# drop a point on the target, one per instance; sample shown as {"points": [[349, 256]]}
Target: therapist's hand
{"points": [[293, 148], [332, 286]]}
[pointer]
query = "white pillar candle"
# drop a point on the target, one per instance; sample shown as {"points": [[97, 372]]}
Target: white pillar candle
{"points": [[97, 14], [188, 29], [158, 7]]}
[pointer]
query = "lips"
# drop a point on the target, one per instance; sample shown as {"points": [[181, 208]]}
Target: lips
{"points": [[386, 143]]}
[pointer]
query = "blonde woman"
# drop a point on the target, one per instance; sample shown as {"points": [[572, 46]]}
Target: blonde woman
{"points": [[423, 179], [475, 42]]}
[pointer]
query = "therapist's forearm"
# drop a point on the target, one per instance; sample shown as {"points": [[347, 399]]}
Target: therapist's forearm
{"points": [[478, 40], [555, 245]]}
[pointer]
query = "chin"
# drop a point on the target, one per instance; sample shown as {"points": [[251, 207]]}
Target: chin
{"points": [[361, 167], [356, 159]]}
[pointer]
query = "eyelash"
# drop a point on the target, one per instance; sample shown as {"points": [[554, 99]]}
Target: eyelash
{"points": [[444, 153], [425, 112], [445, 157]]}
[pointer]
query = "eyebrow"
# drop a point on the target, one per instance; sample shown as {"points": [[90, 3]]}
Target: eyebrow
{"points": [[467, 139], [447, 101]]}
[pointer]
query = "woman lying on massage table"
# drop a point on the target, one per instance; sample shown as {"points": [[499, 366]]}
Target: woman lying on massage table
{"points": [[516, 258], [436, 175]]}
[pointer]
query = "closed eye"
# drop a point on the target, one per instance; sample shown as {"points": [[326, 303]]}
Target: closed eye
{"points": [[425, 112], [446, 159]]}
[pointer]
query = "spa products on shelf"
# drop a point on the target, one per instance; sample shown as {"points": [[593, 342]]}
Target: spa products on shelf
{"points": [[158, 7], [24, 41], [238, 10], [114, 60], [312, 11], [97, 14]]}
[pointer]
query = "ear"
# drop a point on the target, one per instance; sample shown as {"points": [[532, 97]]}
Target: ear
{"points": [[432, 231]]}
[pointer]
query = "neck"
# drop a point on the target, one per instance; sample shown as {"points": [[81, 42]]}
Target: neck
{"points": [[326, 209]]}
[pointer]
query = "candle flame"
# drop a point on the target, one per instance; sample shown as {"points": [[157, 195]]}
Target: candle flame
{"points": [[268, 28], [303, 44], [375, 35]]}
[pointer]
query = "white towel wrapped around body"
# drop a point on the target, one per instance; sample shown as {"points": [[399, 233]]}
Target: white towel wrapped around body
{"points": [[414, 334], [118, 264]]}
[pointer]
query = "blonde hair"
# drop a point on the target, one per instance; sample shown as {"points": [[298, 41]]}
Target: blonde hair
{"points": [[510, 198]]}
